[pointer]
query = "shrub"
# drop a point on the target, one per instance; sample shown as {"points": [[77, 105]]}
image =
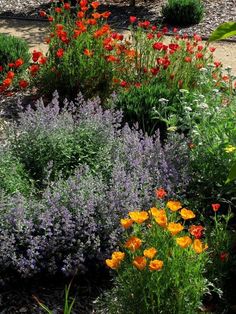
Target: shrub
{"points": [[183, 12], [14, 178], [213, 147], [15, 57], [75, 222], [164, 257], [149, 105]]}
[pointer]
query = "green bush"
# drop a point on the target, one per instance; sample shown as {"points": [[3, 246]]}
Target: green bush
{"points": [[13, 175], [149, 105], [183, 12], [12, 49]]}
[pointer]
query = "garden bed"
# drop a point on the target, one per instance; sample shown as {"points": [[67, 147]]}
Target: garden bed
{"points": [[121, 177]]}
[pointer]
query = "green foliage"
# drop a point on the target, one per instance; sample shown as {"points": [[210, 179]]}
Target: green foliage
{"points": [[149, 105], [223, 31], [13, 176], [213, 152], [11, 49], [232, 174], [183, 12]]}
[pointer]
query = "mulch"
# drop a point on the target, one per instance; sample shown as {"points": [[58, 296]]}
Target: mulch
{"points": [[216, 12]]}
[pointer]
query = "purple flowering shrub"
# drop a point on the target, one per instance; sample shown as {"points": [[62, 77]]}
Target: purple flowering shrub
{"points": [[75, 221]]}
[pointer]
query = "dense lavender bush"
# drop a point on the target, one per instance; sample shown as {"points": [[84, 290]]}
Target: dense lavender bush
{"points": [[50, 142], [76, 220]]}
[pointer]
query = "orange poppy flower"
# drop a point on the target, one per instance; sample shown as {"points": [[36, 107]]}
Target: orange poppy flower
{"points": [[88, 53], [175, 228], [156, 264], [126, 223], [133, 244], [184, 241], [138, 217], [187, 214], [96, 15], [95, 5], [174, 205], [140, 262], [198, 246], [118, 255], [150, 253], [113, 263], [106, 14]]}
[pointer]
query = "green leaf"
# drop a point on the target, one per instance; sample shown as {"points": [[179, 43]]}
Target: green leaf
{"points": [[232, 174], [224, 31]]}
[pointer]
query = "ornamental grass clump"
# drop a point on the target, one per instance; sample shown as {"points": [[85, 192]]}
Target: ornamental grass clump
{"points": [[162, 263]]}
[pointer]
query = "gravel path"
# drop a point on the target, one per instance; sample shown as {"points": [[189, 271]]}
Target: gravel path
{"points": [[216, 11]]}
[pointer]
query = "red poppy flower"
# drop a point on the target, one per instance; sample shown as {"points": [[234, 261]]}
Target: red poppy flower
{"points": [[196, 231], [106, 14], [215, 207], [10, 75], [165, 30], [36, 55], [154, 71], [11, 65], [42, 13], [58, 10], [19, 62], [199, 55], [66, 6], [43, 60], [7, 82], [34, 69], [158, 46], [23, 84], [188, 59], [60, 53], [212, 49], [150, 36], [224, 256], [123, 84], [50, 19], [83, 3], [217, 64], [132, 19], [1, 68], [80, 14]]}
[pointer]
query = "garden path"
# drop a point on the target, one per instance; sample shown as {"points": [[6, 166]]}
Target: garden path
{"points": [[36, 31]]}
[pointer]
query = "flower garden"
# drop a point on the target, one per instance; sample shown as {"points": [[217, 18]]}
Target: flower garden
{"points": [[124, 168]]}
